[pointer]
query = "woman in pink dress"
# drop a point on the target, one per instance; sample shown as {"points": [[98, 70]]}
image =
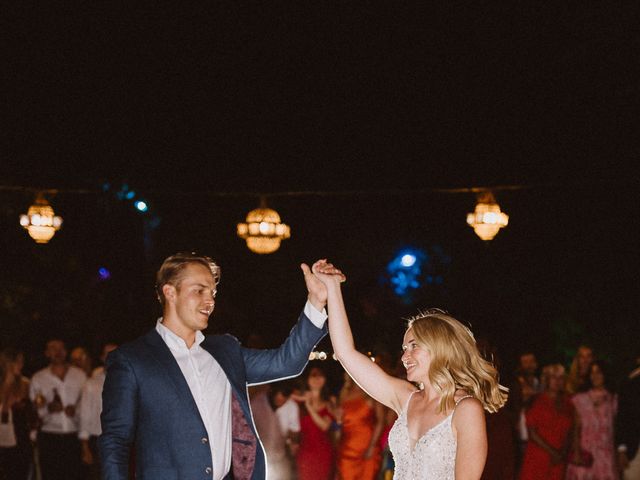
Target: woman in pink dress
{"points": [[596, 412], [315, 459]]}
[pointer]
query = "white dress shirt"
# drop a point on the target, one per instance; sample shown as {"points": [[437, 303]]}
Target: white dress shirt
{"points": [[289, 416], [91, 405], [211, 389], [43, 383]]}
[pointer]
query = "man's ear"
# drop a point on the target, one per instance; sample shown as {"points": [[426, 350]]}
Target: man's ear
{"points": [[169, 292]]}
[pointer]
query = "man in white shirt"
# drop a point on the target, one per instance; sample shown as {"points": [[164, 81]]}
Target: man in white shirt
{"points": [[288, 413], [55, 390], [180, 398], [89, 417]]}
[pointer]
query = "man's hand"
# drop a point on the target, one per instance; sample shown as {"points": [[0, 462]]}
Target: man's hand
{"points": [[55, 406], [70, 411], [317, 291], [317, 278], [623, 461], [86, 455]]}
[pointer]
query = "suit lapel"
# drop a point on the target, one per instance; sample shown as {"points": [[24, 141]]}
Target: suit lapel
{"points": [[161, 353]]}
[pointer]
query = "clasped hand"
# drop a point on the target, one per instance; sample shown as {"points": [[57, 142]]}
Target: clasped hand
{"points": [[317, 278]]}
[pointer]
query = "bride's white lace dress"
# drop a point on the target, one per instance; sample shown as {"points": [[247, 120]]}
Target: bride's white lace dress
{"points": [[434, 455]]}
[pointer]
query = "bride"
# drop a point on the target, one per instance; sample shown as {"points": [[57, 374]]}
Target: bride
{"points": [[440, 430]]}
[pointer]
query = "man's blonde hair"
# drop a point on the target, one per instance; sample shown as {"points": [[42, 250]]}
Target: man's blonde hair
{"points": [[456, 362], [170, 271]]}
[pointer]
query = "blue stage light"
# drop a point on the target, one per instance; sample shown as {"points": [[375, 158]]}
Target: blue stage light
{"points": [[129, 195], [405, 271], [141, 206], [413, 269], [104, 273], [408, 260]]}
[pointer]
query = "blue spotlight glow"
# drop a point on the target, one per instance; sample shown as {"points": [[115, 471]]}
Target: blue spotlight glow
{"points": [[408, 260], [141, 206], [104, 273], [414, 269], [405, 271]]}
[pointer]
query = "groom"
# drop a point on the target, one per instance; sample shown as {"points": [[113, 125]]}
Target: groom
{"points": [[181, 397]]}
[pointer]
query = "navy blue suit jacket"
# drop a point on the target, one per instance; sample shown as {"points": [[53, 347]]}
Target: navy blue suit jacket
{"points": [[147, 403]]}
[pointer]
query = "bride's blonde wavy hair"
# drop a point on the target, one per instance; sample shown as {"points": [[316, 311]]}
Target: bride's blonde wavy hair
{"points": [[456, 362]]}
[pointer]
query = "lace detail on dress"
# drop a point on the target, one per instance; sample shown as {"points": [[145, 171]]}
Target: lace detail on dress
{"points": [[434, 454]]}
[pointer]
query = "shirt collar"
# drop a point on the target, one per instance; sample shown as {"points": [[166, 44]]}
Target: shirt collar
{"points": [[174, 341]]}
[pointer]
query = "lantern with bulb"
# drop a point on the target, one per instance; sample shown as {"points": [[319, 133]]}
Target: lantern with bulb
{"points": [[263, 230], [40, 221], [487, 219]]}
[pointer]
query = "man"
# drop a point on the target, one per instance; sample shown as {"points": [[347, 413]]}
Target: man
{"points": [[55, 390], [521, 394], [89, 417], [181, 397], [288, 413], [80, 358], [627, 426]]}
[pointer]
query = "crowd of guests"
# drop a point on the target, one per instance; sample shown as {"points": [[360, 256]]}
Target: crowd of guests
{"points": [[558, 423], [573, 425], [50, 423]]}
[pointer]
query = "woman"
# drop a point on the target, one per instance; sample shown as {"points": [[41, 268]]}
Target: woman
{"points": [[579, 370], [18, 417], [315, 459], [362, 420], [596, 410], [428, 440], [550, 421]]}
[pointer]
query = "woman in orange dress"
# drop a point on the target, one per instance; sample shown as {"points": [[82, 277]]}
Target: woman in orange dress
{"points": [[362, 422]]}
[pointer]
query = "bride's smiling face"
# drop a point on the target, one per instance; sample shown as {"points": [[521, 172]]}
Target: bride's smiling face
{"points": [[415, 358]]}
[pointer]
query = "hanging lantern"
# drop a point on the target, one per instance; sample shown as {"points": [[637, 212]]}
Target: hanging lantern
{"points": [[41, 221], [487, 219], [263, 230]]}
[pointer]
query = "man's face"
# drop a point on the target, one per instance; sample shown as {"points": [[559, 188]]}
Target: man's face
{"points": [[56, 352], [194, 297], [528, 364], [279, 399], [79, 357]]}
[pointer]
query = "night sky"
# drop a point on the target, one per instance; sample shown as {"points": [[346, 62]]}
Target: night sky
{"points": [[350, 120]]}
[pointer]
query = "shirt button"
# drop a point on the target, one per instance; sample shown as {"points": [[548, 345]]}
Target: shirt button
{"points": [[204, 440], [208, 470]]}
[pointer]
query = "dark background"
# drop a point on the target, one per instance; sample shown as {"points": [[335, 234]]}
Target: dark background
{"points": [[365, 112]]}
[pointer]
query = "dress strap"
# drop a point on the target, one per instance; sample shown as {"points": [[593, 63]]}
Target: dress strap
{"points": [[406, 406], [462, 398]]}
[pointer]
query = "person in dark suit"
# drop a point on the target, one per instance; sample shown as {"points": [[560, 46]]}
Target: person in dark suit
{"points": [[627, 426], [180, 397]]}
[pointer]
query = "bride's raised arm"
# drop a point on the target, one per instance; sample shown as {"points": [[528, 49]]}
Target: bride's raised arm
{"points": [[388, 390]]}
